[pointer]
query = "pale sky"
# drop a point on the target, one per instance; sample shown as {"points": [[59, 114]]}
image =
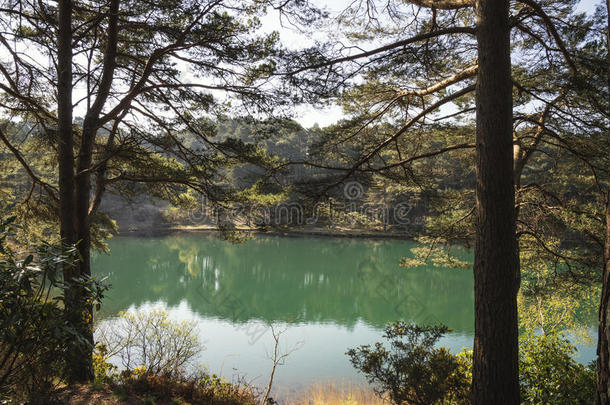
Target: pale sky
{"points": [[307, 116]]}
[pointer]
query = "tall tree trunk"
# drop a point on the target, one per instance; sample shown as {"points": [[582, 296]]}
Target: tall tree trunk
{"points": [[84, 369], [64, 125], [603, 338], [496, 262], [79, 356]]}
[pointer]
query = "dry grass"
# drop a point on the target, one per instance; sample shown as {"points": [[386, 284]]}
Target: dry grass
{"points": [[333, 394], [86, 395], [152, 390]]}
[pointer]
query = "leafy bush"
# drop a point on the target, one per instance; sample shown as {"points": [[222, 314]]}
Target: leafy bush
{"points": [[412, 371], [549, 374], [156, 352], [104, 371], [35, 334], [149, 341]]}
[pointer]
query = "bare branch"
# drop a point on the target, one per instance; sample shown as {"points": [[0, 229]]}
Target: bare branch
{"points": [[389, 47]]}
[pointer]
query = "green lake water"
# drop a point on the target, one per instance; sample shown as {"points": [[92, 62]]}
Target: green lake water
{"points": [[329, 294]]}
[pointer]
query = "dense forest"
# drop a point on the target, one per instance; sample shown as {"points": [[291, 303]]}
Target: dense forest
{"points": [[467, 126]]}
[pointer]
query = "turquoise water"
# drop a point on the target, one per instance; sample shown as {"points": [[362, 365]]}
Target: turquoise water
{"points": [[328, 294]]}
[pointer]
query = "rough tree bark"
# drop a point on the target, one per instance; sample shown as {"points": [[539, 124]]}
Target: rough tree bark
{"points": [[496, 263], [603, 339], [64, 122], [79, 357]]}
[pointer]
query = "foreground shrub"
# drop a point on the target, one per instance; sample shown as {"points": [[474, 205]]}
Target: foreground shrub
{"points": [[148, 341], [200, 389], [549, 374], [156, 353], [411, 370], [103, 370], [35, 334]]}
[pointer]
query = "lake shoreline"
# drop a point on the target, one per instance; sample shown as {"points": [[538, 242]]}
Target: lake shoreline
{"points": [[284, 232]]}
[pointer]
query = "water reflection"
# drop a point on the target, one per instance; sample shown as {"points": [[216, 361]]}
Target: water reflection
{"points": [[292, 280]]}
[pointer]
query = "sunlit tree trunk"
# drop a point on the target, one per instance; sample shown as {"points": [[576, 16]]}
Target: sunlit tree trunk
{"points": [[496, 263]]}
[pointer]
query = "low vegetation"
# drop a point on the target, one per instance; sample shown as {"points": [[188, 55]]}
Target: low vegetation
{"points": [[150, 341], [158, 355], [334, 394], [413, 371], [550, 375], [35, 334]]}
